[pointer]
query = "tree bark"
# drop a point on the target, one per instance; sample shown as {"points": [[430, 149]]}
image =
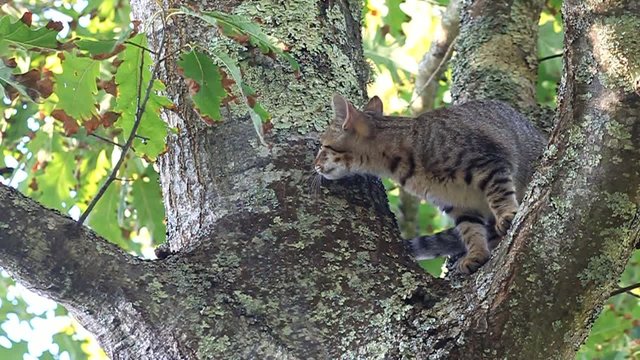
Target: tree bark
{"points": [[263, 269]]}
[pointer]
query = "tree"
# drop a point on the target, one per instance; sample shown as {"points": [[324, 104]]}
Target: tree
{"points": [[258, 267]]}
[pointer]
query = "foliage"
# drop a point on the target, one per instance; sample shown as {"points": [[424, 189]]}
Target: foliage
{"points": [[72, 80]]}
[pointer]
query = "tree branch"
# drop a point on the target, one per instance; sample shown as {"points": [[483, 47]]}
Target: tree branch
{"points": [[497, 52], [43, 250], [626, 289], [581, 218], [95, 280], [432, 64]]}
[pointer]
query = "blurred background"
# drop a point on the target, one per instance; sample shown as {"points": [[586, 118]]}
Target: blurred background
{"points": [[38, 158]]}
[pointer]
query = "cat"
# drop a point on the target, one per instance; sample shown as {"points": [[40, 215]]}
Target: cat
{"points": [[473, 160]]}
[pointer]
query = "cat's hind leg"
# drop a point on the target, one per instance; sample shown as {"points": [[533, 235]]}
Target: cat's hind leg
{"points": [[471, 227]]}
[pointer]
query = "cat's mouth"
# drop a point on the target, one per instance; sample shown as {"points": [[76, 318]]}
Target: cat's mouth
{"points": [[327, 173]]}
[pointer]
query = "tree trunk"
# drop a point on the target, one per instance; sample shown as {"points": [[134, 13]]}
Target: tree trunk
{"points": [[262, 268]]}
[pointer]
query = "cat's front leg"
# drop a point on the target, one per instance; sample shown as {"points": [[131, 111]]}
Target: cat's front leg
{"points": [[500, 192]]}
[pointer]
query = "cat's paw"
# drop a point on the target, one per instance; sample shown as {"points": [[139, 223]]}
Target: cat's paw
{"points": [[503, 223], [472, 262]]}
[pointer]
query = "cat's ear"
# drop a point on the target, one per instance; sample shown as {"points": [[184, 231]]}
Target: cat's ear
{"points": [[374, 105], [352, 119]]}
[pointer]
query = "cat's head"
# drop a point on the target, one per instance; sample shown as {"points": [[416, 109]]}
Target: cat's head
{"points": [[348, 135]]}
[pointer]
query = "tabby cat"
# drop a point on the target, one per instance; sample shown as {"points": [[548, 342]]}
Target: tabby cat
{"points": [[472, 160]]}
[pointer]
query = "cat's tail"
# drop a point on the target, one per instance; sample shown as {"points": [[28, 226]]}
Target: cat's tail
{"points": [[444, 243]]}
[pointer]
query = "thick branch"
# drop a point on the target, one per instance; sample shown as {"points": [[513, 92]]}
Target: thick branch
{"points": [[582, 216], [95, 280], [430, 68], [496, 52]]}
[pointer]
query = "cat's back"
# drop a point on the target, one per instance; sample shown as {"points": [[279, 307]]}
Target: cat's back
{"points": [[488, 121]]}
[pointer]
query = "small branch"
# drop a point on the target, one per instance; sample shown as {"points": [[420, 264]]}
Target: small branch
{"points": [[550, 57], [106, 140], [626, 289], [143, 138], [140, 108], [433, 62], [141, 47]]}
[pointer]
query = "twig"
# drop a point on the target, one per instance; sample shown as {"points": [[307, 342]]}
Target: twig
{"points": [[140, 107], [140, 46], [143, 138], [445, 60], [626, 289], [550, 57], [106, 140]]}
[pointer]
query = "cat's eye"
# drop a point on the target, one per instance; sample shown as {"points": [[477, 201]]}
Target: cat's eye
{"points": [[333, 149]]}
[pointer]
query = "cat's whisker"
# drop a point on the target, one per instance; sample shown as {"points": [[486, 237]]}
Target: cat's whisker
{"points": [[315, 185]]}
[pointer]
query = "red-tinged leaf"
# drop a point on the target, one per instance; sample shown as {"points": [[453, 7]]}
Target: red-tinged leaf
{"points": [[33, 84], [10, 62], [55, 25], [109, 87], [226, 81], [109, 118], [70, 124], [92, 124], [27, 18], [251, 101], [67, 46], [136, 27], [266, 127], [45, 86], [33, 185], [229, 99], [242, 39], [117, 62], [193, 86]]}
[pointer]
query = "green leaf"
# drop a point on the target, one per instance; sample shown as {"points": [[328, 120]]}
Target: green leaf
{"points": [[57, 179], [395, 18], [152, 128], [147, 200], [20, 34], [55, 185], [257, 113], [234, 25], [76, 86], [70, 345], [433, 266], [205, 84], [17, 124], [96, 47], [382, 59], [104, 217], [16, 351]]}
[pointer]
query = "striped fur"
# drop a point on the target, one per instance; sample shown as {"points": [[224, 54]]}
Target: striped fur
{"points": [[474, 160]]}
